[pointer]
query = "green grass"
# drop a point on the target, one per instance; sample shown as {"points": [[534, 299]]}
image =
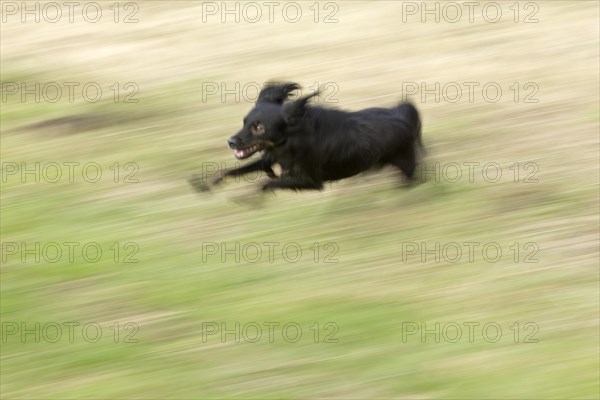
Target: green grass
{"points": [[365, 223]]}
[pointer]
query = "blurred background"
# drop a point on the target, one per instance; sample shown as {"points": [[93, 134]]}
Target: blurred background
{"points": [[119, 280]]}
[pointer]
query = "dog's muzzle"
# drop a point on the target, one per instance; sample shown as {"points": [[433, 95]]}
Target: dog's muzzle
{"points": [[246, 152], [232, 142]]}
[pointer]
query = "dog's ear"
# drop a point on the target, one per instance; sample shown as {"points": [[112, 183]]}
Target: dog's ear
{"points": [[294, 110], [276, 93]]}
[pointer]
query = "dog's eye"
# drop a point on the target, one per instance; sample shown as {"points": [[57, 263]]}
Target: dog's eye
{"points": [[258, 128]]}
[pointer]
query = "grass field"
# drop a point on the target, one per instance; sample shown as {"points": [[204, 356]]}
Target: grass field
{"points": [[359, 276]]}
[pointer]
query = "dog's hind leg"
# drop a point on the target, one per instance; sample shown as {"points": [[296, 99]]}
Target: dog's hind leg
{"points": [[407, 163]]}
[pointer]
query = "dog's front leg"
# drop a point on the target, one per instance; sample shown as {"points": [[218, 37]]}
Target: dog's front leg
{"points": [[259, 165], [293, 184], [199, 183]]}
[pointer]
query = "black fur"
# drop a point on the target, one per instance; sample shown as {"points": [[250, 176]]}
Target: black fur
{"points": [[314, 145]]}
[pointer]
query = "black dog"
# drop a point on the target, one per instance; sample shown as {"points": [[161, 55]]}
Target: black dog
{"points": [[314, 144]]}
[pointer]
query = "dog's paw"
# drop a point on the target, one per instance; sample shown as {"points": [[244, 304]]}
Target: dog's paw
{"points": [[198, 183]]}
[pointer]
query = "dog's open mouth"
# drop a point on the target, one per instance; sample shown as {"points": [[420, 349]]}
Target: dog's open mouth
{"points": [[240, 154]]}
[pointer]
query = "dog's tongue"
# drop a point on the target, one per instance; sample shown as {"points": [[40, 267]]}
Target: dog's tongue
{"points": [[239, 153]]}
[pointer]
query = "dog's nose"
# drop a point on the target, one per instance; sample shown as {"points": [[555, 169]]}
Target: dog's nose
{"points": [[232, 142]]}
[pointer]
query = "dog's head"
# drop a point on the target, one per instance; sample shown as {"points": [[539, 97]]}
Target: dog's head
{"points": [[268, 124]]}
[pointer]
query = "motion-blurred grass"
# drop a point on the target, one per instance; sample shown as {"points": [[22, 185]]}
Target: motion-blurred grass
{"points": [[371, 291]]}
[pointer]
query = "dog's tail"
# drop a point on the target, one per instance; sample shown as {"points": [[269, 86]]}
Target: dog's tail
{"points": [[410, 116]]}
